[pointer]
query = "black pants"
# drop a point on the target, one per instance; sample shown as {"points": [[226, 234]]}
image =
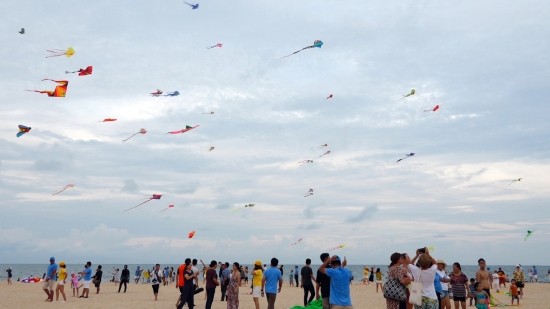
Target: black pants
{"points": [[308, 289], [224, 290], [210, 297], [186, 297], [155, 288], [438, 299], [120, 285], [296, 279]]}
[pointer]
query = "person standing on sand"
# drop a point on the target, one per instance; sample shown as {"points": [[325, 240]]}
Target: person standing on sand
{"points": [[483, 276], [366, 276], [272, 276], [520, 279], [156, 274], [124, 278], [340, 277], [9, 275], [296, 275], [61, 280], [501, 277], [188, 291], [233, 288], [307, 282], [257, 276], [211, 282], [323, 283], [87, 277], [396, 271], [445, 301], [535, 274], [425, 274], [224, 278], [459, 286], [138, 274], [49, 281], [97, 278]]}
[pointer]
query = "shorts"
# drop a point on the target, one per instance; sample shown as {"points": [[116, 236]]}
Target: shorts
{"points": [[48, 285], [379, 281], [515, 297], [462, 299], [97, 283], [520, 284], [444, 293], [256, 291], [86, 284], [60, 282]]}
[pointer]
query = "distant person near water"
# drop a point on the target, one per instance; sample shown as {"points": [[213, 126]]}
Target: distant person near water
{"points": [[9, 275], [97, 278], [124, 278], [272, 282], [49, 280]]}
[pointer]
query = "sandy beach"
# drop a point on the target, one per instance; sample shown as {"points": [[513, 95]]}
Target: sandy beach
{"points": [[20, 295]]}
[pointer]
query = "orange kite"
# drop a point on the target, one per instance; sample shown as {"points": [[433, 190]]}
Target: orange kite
{"points": [[59, 91]]}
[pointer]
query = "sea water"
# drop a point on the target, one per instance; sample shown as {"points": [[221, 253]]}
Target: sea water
{"points": [[38, 270]]}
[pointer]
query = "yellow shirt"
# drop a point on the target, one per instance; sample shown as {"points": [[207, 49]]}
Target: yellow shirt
{"points": [[366, 273], [62, 274], [257, 276]]}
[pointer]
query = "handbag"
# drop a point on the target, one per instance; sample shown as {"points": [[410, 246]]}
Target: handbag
{"points": [[415, 291], [394, 289]]}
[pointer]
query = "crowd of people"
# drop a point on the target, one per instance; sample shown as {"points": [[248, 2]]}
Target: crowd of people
{"points": [[438, 287]]}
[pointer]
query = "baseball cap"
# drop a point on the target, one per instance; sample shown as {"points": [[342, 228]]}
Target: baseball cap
{"points": [[52, 259]]}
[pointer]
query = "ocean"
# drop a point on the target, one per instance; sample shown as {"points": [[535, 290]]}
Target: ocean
{"points": [[37, 270]]}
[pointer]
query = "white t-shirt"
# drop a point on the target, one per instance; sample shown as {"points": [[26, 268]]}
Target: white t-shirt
{"points": [[195, 271], [426, 277], [442, 274]]}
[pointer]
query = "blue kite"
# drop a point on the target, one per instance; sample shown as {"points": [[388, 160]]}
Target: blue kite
{"points": [[317, 43]]}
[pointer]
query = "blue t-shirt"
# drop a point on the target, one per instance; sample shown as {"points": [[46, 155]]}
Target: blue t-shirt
{"points": [[272, 276], [437, 283], [52, 272], [87, 274], [339, 286]]}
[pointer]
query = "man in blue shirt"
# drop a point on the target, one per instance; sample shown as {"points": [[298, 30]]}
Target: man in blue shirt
{"points": [[51, 277], [340, 277], [271, 276], [87, 277], [225, 276]]}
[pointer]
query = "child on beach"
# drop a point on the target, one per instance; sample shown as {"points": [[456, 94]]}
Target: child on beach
{"points": [[482, 298], [74, 284], [514, 291], [378, 275], [472, 291]]}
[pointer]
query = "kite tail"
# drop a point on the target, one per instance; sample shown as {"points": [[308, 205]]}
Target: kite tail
{"points": [[138, 205], [59, 191], [130, 137]]}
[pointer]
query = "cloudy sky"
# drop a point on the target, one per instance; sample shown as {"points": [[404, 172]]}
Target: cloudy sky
{"points": [[486, 65]]}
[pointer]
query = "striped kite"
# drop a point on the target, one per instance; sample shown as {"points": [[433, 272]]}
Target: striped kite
{"points": [[22, 130]]}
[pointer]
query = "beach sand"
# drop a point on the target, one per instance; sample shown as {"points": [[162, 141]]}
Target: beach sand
{"points": [[30, 295]]}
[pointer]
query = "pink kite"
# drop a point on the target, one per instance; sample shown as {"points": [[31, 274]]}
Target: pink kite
{"points": [[191, 234], [141, 131], [157, 93], [169, 206], [187, 128], [108, 120], [214, 46], [433, 109], [70, 185], [153, 197], [83, 72]]}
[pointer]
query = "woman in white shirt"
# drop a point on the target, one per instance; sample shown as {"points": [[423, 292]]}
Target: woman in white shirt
{"points": [[424, 272]]}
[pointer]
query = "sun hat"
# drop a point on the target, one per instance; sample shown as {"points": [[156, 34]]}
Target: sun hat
{"points": [[440, 261], [258, 262]]}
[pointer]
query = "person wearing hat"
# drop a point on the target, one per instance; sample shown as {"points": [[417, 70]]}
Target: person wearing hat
{"points": [[444, 301], [49, 281], [61, 280], [257, 275], [340, 277], [212, 282]]}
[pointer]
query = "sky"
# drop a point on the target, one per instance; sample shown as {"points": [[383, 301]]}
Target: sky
{"points": [[484, 63]]}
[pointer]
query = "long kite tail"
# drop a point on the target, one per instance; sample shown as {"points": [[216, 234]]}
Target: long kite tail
{"points": [[138, 205], [59, 191], [296, 52], [130, 137]]}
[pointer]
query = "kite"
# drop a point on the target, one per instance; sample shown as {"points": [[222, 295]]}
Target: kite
{"points": [[193, 6], [515, 180], [209, 113], [70, 185], [172, 94], [329, 97], [211, 148], [406, 156], [157, 93], [108, 120], [187, 128], [309, 193], [305, 162], [82, 72], [317, 44], [214, 46], [245, 206], [409, 94], [141, 131], [342, 246], [433, 109], [297, 241], [324, 145], [324, 154], [191, 234], [529, 234], [153, 197], [169, 206], [22, 130], [60, 52], [59, 91], [249, 205], [22, 31]]}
